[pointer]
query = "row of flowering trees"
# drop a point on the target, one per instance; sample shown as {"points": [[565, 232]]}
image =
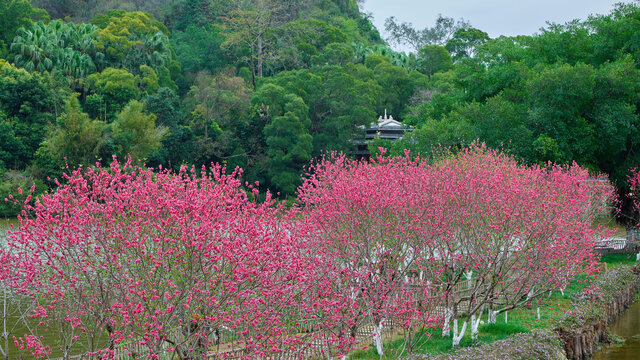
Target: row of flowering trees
{"points": [[129, 258]]}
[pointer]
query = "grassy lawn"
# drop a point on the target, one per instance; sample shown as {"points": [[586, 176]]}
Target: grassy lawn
{"points": [[520, 320], [618, 259]]}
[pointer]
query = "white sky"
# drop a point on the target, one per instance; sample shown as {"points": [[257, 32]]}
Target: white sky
{"points": [[496, 17]]}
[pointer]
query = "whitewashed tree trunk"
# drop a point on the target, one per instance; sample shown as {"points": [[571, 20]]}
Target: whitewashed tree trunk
{"points": [[538, 310], [493, 317], [468, 274], [638, 256], [506, 317], [377, 337], [457, 337], [530, 294], [446, 328], [475, 323], [562, 290]]}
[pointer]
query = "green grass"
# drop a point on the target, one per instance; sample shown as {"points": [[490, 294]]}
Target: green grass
{"points": [[619, 259], [520, 320]]}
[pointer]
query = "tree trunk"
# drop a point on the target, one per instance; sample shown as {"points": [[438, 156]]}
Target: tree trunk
{"points": [[206, 129], [446, 328], [260, 60], [475, 323], [457, 337], [493, 317], [253, 70], [377, 337]]}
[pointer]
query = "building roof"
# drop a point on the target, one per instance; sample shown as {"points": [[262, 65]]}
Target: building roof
{"points": [[387, 123]]}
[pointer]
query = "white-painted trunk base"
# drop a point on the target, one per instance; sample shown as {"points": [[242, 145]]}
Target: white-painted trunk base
{"points": [[446, 327], [493, 317], [457, 337], [468, 274], [475, 323], [377, 337]]}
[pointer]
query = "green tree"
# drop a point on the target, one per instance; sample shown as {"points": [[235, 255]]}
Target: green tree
{"points": [[178, 144], [439, 34], [614, 34], [434, 134], [28, 102], [302, 39], [498, 122], [560, 100], [334, 54], [434, 58], [197, 13], [16, 14], [132, 39], [58, 9], [219, 106], [616, 118], [114, 89], [289, 144], [12, 150], [464, 42], [66, 49], [198, 48], [34, 47], [399, 86], [85, 10], [76, 138], [249, 30], [135, 132], [339, 100]]}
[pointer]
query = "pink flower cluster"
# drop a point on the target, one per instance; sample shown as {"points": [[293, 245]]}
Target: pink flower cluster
{"points": [[189, 263]]}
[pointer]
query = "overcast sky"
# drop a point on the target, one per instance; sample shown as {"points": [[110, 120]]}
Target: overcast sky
{"points": [[496, 17]]}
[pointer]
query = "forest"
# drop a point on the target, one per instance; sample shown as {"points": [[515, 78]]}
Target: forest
{"points": [[268, 85]]}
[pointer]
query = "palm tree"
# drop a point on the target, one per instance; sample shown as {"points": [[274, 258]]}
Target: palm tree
{"points": [[60, 46], [361, 50], [33, 48]]}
